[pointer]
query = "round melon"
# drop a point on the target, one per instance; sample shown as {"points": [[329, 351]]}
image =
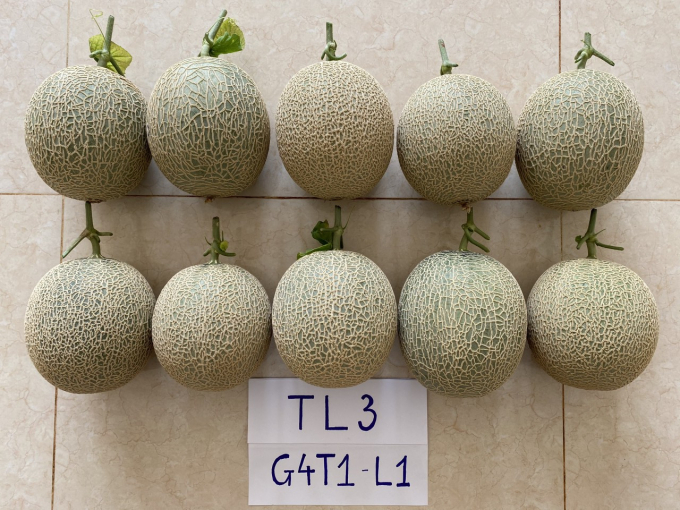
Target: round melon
{"points": [[88, 325], [208, 127], [85, 132], [212, 326], [456, 139], [334, 318], [334, 130], [593, 324], [462, 323], [580, 140]]}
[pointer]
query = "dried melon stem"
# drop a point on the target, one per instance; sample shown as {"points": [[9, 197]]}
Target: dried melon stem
{"points": [[590, 238], [588, 51], [469, 228], [90, 233], [331, 45], [447, 65], [218, 246]]}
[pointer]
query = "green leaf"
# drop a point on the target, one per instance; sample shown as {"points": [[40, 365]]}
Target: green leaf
{"points": [[319, 235], [122, 57], [228, 39]]}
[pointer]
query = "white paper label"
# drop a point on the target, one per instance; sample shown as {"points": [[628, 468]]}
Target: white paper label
{"points": [[365, 445]]}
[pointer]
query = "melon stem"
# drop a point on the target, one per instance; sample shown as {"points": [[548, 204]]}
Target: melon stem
{"points": [[90, 233], [447, 65], [335, 241], [209, 38], [469, 228], [105, 53], [331, 45], [588, 51], [218, 244], [590, 238]]}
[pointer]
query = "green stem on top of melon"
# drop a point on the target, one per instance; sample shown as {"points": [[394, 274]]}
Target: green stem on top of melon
{"points": [[590, 238], [331, 45], [588, 51], [90, 233], [469, 229], [329, 237], [224, 37], [218, 246], [447, 65], [104, 51]]}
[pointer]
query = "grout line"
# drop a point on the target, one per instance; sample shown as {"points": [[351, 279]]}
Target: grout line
{"points": [[54, 445], [559, 36], [564, 453]]}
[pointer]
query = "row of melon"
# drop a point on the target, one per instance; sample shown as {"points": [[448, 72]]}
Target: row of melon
{"points": [[91, 323], [577, 146]]}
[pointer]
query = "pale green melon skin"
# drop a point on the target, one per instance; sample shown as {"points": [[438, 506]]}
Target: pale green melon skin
{"points": [[580, 140], [212, 326], [593, 324], [208, 127], [88, 325], [334, 318], [462, 323], [334, 130], [85, 130], [456, 139]]}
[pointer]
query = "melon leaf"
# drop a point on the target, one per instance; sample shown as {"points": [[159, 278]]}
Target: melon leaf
{"points": [[321, 233], [228, 39], [122, 57]]}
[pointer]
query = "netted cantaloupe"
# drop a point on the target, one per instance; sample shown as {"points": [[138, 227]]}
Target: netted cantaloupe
{"points": [[212, 323], [593, 324], [334, 315], [207, 122], [462, 321], [334, 128], [456, 137], [85, 127], [580, 138], [88, 322]]}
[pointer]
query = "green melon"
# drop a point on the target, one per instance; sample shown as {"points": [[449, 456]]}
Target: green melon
{"points": [[88, 325], [456, 139], [334, 315], [334, 130], [462, 323], [85, 131], [208, 127], [580, 140], [212, 326], [593, 324]]}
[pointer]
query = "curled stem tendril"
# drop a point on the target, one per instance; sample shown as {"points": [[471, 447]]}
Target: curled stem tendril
{"points": [[331, 45]]}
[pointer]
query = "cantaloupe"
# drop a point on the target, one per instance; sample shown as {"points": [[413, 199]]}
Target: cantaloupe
{"points": [[85, 130], [580, 138], [88, 322], [212, 323], [334, 128], [456, 138], [593, 324], [462, 322], [207, 122], [334, 315]]}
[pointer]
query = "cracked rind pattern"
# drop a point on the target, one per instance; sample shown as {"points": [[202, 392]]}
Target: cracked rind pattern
{"points": [[208, 127], [462, 323], [334, 130], [212, 326], [580, 140], [593, 324], [456, 139], [334, 318], [85, 131], [88, 325]]}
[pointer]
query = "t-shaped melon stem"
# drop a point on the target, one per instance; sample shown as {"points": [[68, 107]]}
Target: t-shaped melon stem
{"points": [[588, 51], [105, 53], [209, 37], [331, 45], [469, 228], [329, 237], [90, 233], [590, 238], [218, 246], [447, 65]]}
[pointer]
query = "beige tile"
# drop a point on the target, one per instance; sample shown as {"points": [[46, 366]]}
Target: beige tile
{"points": [[641, 38], [32, 47], [622, 446], [144, 444], [513, 45], [30, 229]]}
